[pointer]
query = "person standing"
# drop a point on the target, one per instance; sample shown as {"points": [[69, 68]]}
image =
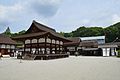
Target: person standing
{"points": [[0, 55]]}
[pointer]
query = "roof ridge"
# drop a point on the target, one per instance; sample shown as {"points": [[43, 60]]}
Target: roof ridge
{"points": [[42, 25]]}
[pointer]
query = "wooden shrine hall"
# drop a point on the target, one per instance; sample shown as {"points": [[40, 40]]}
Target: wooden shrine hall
{"points": [[42, 42], [7, 45]]}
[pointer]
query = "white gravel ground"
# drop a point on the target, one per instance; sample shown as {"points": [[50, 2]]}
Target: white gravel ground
{"points": [[72, 68]]}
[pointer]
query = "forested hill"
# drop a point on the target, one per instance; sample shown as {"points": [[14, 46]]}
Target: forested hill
{"points": [[111, 32]]}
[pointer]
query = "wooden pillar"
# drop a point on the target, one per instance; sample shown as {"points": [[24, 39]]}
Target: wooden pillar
{"points": [[38, 46], [63, 48], [55, 48], [45, 45], [59, 47], [30, 46], [51, 47], [24, 48]]}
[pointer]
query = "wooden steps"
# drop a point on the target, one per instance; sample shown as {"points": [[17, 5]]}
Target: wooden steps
{"points": [[44, 56]]}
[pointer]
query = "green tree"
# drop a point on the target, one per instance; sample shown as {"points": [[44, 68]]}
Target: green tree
{"points": [[88, 31], [7, 32]]}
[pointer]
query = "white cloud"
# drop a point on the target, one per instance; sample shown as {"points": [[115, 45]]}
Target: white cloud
{"points": [[115, 18], [44, 8], [9, 13], [27, 10]]}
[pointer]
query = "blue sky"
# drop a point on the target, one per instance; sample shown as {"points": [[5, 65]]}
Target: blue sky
{"points": [[62, 15]]}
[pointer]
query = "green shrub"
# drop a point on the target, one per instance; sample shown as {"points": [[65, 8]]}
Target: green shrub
{"points": [[118, 53]]}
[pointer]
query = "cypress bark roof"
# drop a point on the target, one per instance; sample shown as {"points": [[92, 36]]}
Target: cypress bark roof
{"points": [[75, 41], [89, 44], [6, 40], [37, 29]]}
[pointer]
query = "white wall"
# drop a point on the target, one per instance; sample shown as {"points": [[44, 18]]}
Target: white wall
{"points": [[106, 51]]}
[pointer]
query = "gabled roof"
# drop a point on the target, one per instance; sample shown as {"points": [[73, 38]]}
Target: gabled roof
{"points": [[89, 44], [6, 40], [116, 43], [30, 35], [60, 36], [75, 41], [40, 27], [40, 30], [108, 45]]}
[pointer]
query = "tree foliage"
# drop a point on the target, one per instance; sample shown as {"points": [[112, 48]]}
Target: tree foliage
{"points": [[17, 34], [7, 32], [111, 32], [88, 31]]}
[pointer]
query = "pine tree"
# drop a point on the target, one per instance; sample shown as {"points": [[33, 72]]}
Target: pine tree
{"points": [[7, 32]]}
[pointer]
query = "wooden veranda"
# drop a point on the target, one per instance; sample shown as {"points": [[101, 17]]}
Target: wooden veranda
{"points": [[42, 42]]}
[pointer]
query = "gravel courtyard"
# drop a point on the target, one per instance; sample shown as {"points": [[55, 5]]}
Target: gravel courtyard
{"points": [[72, 68]]}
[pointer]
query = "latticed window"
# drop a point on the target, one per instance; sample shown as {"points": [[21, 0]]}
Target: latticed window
{"points": [[8, 46], [27, 41], [34, 40], [41, 40], [61, 43], [48, 40], [2, 46], [57, 42], [53, 41]]}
